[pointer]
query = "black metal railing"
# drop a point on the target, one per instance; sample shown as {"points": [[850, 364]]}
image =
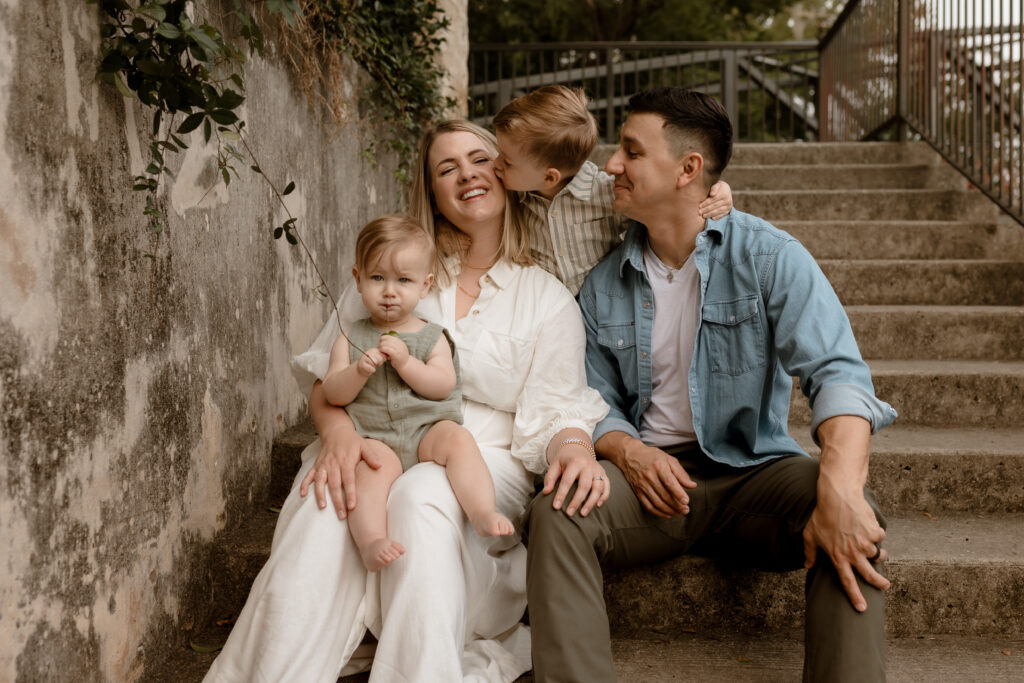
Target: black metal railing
{"points": [[950, 70], [769, 89]]}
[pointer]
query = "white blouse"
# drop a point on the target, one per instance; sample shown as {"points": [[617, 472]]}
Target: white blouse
{"points": [[521, 350]]}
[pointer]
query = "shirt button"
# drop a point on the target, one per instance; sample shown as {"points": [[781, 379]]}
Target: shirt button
{"points": [[732, 318], [693, 390], [643, 400], [647, 304], [643, 354], [620, 342], [476, 312], [394, 405]]}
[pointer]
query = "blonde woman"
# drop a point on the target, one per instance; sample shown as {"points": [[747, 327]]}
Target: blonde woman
{"points": [[450, 609]]}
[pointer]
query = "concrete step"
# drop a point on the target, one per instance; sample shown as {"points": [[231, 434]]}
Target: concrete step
{"points": [[932, 471], [832, 153], [732, 658], [777, 206], [843, 176], [950, 575], [947, 394], [815, 153], [929, 283], [908, 239], [939, 332]]}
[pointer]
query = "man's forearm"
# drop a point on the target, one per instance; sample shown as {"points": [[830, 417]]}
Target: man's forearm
{"points": [[613, 446], [845, 450]]}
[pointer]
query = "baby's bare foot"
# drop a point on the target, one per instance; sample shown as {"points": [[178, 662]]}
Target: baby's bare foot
{"points": [[380, 553], [493, 524]]}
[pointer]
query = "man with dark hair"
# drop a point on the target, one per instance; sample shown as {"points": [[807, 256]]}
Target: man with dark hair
{"points": [[694, 329]]}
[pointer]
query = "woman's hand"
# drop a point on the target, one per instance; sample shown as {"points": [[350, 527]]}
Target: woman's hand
{"points": [[718, 202], [573, 462], [334, 471]]}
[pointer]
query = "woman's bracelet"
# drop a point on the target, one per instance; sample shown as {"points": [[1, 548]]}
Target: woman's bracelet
{"points": [[580, 442]]}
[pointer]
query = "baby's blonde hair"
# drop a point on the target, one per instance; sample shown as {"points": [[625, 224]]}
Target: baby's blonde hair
{"points": [[388, 232], [553, 125]]}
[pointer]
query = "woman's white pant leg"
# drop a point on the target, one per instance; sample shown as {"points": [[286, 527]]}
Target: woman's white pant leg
{"points": [[304, 614]]}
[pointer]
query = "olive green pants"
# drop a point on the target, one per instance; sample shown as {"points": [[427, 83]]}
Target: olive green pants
{"points": [[752, 516]]}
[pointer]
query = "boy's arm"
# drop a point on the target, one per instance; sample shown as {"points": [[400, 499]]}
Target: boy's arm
{"points": [[344, 380], [434, 379]]}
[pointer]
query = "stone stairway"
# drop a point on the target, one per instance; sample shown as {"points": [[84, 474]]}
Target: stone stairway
{"points": [[933, 282]]}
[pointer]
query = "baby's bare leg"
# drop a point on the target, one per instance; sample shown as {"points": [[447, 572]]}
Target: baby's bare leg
{"points": [[451, 445], [368, 522]]}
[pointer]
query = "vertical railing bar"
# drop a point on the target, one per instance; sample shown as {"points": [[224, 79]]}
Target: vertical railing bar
{"points": [[1020, 91], [988, 146], [1000, 167], [961, 45]]}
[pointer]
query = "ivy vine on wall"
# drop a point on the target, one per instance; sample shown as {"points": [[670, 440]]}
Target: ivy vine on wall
{"points": [[193, 77]]}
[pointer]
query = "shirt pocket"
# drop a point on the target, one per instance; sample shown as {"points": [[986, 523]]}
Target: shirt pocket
{"points": [[734, 334], [501, 364], [620, 341]]}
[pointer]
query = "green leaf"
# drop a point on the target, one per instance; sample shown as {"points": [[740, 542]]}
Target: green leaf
{"points": [[153, 169], [229, 134], [153, 11], [207, 130], [140, 186], [229, 99], [223, 116], [169, 31], [256, 169], [290, 223], [289, 188], [291, 238], [204, 649], [156, 121], [226, 176], [122, 88], [278, 231], [191, 122], [392, 333]]}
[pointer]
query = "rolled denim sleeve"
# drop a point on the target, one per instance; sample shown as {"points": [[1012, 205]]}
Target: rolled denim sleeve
{"points": [[815, 343], [603, 373]]}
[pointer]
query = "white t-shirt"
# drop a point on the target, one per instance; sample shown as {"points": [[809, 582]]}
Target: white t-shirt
{"points": [[669, 419]]}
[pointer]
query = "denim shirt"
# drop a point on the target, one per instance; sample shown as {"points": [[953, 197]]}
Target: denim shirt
{"points": [[767, 314]]}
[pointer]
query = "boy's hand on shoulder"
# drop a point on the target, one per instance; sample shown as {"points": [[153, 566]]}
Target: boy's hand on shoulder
{"points": [[718, 202], [369, 362], [395, 350]]}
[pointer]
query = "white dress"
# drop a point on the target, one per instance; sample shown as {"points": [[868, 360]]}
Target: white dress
{"points": [[449, 609]]}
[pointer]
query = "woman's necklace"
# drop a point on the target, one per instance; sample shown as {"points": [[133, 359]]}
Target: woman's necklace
{"points": [[465, 291]]}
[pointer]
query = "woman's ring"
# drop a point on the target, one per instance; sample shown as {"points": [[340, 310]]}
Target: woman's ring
{"points": [[878, 553]]}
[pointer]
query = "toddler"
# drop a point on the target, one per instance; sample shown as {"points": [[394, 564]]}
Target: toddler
{"points": [[544, 139], [399, 381]]}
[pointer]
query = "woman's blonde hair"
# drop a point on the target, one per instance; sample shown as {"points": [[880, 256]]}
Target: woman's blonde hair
{"points": [[515, 238]]}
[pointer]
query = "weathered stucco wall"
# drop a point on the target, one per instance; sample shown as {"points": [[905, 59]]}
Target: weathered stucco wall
{"points": [[139, 396]]}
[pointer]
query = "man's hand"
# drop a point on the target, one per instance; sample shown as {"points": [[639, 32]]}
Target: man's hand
{"points": [[843, 524], [657, 478], [334, 471]]}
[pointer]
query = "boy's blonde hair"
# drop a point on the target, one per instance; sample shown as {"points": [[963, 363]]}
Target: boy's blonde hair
{"points": [[387, 232], [553, 125], [449, 240]]}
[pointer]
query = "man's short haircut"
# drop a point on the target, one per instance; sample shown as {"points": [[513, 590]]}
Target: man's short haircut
{"points": [[388, 232], [553, 125], [693, 122]]}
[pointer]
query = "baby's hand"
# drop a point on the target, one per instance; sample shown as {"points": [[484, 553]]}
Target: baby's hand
{"points": [[395, 349], [369, 362]]}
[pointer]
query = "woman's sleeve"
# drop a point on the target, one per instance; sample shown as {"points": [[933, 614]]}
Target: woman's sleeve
{"points": [[556, 395], [310, 366]]}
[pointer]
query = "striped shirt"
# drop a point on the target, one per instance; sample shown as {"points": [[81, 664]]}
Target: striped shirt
{"points": [[576, 229]]}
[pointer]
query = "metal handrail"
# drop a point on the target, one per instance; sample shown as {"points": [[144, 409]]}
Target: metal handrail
{"points": [[950, 71], [769, 89]]}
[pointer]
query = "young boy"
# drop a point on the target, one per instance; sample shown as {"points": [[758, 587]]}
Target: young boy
{"points": [[398, 377], [544, 139]]}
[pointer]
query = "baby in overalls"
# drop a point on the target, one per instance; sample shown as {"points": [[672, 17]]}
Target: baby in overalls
{"points": [[399, 381]]}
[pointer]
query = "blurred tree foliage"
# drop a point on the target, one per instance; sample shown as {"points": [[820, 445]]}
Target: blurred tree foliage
{"points": [[535, 21]]}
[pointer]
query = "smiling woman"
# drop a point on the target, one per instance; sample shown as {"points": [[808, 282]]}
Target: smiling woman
{"points": [[449, 608]]}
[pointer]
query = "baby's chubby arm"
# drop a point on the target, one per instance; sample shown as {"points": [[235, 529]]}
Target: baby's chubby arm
{"points": [[344, 380], [434, 379]]}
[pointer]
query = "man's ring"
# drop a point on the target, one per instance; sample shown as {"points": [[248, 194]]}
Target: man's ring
{"points": [[599, 478], [878, 553]]}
